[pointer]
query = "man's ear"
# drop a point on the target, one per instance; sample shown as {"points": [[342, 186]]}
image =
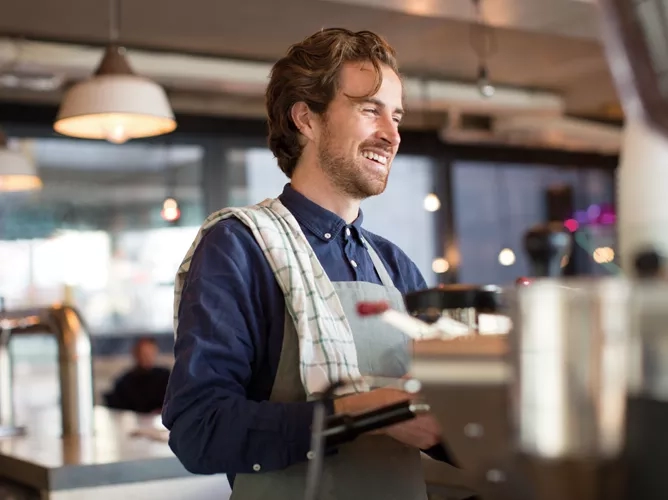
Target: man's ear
{"points": [[304, 119]]}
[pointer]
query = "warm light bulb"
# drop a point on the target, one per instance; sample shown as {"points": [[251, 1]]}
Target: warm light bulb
{"points": [[431, 203], [117, 134], [170, 210], [170, 203], [19, 182], [506, 257], [440, 265], [603, 255]]}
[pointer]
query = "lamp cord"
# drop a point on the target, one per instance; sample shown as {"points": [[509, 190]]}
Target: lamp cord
{"points": [[481, 35], [114, 20]]}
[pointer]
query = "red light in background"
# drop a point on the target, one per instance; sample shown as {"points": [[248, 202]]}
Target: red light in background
{"points": [[572, 225]]}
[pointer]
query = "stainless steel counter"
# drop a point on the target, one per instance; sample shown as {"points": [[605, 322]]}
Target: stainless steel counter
{"points": [[128, 457], [128, 454]]}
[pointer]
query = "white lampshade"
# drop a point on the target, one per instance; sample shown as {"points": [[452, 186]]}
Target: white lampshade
{"points": [[17, 171], [115, 105]]}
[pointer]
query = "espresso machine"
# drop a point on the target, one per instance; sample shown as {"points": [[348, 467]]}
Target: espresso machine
{"points": [[571, 402]]}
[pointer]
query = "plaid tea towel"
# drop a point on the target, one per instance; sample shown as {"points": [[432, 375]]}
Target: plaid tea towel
{"points": [[326, 347]]}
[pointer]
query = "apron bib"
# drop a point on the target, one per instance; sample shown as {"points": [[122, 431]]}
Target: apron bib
{"points": [[373, 466]]}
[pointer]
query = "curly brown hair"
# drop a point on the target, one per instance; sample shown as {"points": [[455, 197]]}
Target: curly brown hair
{"points": [[309, 73]]}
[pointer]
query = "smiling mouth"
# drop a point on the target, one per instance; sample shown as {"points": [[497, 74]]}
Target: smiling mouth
{"points": [[378, 158]]}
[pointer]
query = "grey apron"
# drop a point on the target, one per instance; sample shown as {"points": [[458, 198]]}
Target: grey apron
{"points": [[372, 466]]}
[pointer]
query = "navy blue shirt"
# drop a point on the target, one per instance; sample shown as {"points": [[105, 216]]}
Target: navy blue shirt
{"points": [[229, 339]]}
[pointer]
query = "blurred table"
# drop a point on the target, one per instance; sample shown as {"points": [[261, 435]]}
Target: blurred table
{"points": [[128, 457]]}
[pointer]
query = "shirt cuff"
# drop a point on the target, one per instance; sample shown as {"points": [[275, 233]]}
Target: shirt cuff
{"points": [[300, 430]]}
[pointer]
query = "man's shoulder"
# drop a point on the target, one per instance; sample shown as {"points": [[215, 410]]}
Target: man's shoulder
{"points": [[161, 373], [228, 242], [229, 231]]}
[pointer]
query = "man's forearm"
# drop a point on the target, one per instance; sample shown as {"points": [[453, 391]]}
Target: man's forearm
{"points": [[235, 435]]}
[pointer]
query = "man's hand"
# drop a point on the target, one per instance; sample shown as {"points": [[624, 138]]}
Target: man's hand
{"points": [[366, 401], [421, 432]]}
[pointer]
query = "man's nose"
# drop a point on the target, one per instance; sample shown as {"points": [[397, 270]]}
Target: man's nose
{"points": [[389, 132]]}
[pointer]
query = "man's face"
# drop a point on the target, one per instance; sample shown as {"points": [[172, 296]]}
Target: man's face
{"points": [[359, 135], [145, 354]]}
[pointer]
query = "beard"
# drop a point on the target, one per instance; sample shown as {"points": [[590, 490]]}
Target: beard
{"points": [[352, 176]]}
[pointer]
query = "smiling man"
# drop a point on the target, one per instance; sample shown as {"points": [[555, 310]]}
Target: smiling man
{"points": [[265, 299]]}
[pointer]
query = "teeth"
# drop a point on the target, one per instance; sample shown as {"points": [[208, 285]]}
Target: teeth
{"points": [[376, 157]]}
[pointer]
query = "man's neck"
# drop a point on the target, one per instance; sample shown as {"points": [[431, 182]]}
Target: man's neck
{"points": [[314, 184]]}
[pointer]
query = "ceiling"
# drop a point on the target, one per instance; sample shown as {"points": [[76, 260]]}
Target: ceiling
{"points": [[543, 44], [546, 45], [550, 45], [571, 18]]}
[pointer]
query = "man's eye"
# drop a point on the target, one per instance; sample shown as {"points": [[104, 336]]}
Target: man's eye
{"points": [[371, 110]]}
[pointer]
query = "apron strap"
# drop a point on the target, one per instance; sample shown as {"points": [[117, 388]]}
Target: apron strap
{"points": [[378, 265]]}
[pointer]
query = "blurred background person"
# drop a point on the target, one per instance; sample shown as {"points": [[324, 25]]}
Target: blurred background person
{"points": [[142, 388]]}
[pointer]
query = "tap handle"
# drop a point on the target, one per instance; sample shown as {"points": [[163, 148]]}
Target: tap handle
{"points": [[546, 245]]}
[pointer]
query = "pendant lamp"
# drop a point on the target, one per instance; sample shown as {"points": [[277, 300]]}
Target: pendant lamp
{"points": [[17, 171], [115, 104]]}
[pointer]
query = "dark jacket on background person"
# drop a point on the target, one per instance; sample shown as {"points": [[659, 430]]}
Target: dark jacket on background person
{"points": [[139, 390]]}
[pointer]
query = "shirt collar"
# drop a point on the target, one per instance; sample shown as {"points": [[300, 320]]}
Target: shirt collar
{"points": [[324, 224]]}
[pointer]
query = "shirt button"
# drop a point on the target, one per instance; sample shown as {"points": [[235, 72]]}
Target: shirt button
{"points": [[328, 236], [347, 231], [256, 467], [353, 263], [310, 455]]}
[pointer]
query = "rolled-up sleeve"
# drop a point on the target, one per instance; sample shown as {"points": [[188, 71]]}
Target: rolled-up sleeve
{"points": [[214, 426]]}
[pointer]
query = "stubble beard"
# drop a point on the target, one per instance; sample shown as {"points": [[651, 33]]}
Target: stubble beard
{"points": [[350, 176]]}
